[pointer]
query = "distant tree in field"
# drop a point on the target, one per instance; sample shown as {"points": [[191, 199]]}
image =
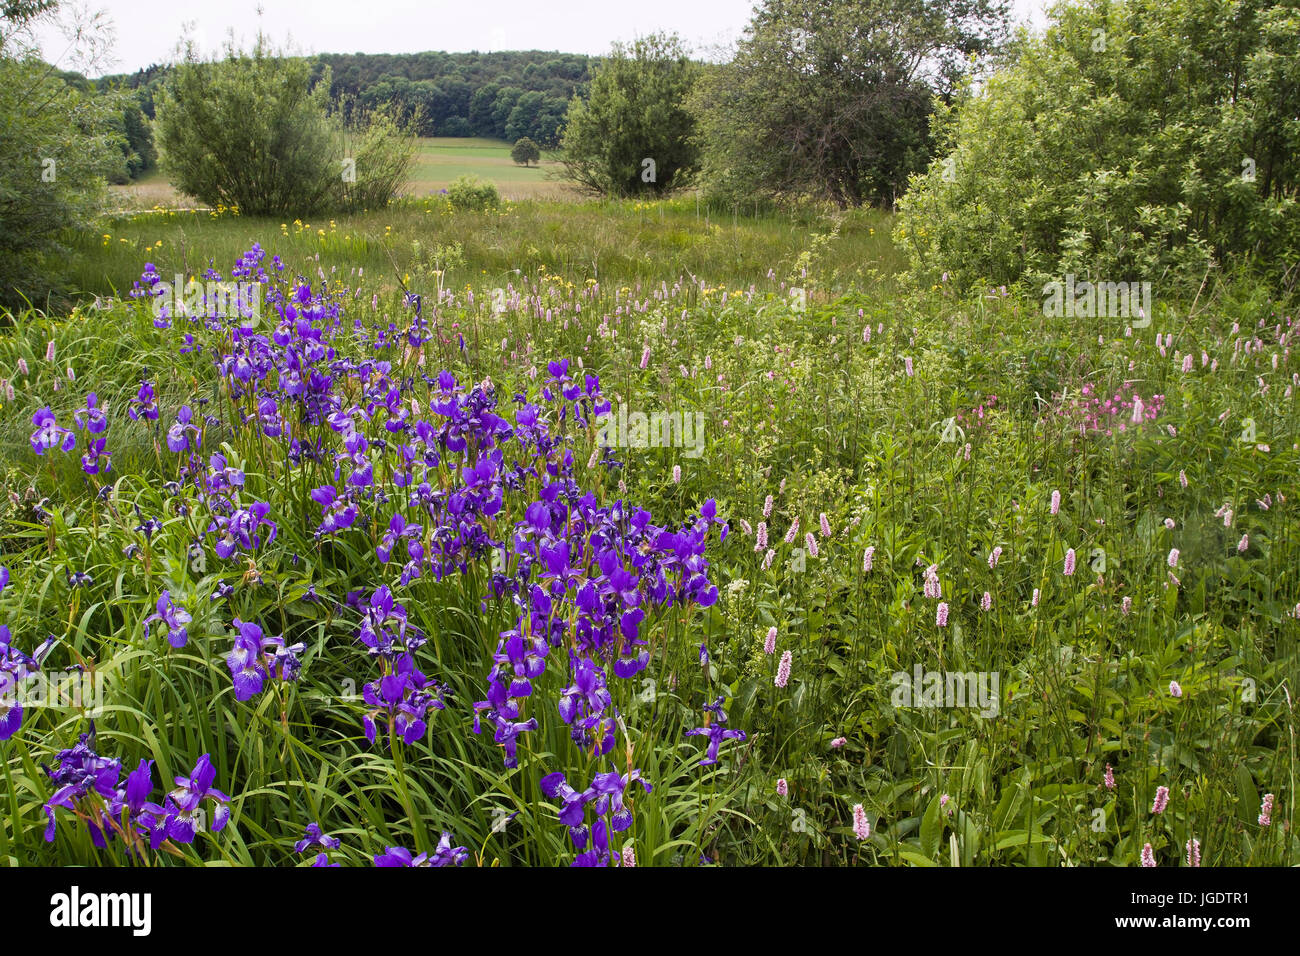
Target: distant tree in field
{"points": [[634, 134], [253, 131], [831, 98], [59, 139], [525, 151]]}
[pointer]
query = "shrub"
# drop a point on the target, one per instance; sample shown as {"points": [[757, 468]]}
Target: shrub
{"points": [[634, 134], [1135, 140], [252, 131], [472, 193], [57, 145]]}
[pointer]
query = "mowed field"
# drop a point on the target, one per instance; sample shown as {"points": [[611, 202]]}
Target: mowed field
{"points": [[439, 162]]}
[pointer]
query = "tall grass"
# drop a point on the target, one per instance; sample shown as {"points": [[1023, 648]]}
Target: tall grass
{"points": [[848, 407]]}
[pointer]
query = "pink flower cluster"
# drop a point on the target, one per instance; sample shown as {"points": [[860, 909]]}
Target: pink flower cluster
{"points": [[1091, 413]]}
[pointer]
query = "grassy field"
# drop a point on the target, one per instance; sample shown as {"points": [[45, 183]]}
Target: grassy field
{"points": [[440, 160], [1093, 521], [610, 241]]}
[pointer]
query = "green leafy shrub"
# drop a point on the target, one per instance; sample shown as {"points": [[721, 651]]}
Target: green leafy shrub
{"points": [[1135, 140], [471, 193], [57, 145], [635, 134], [253, 131]]}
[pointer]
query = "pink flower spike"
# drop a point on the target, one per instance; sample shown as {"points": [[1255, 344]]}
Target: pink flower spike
{"points": [[783, 669], [1266, 811], [1161, 801], [861, 828]]}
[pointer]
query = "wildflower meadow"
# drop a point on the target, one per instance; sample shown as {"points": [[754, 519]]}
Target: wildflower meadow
{"points": [[651, 529], [344, 577]]}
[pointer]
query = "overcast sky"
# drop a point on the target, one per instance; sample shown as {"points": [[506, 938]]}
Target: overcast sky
{"points": [[147, 31]]}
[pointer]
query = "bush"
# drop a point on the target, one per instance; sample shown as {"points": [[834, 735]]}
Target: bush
{"points": [[634, 134], [57, 147], [1137, 140], [831, 101], [472, 193], [382, 153], [252, 131]]}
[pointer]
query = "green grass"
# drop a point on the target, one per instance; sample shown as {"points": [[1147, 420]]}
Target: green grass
{"points": [[814, 407], [438, 162], [614, 241]]}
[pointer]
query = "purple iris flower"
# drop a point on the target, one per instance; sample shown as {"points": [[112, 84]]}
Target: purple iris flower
{"points": [[404, 697], [608, 791], [598, 855], [15, 667], [256, 657], [143, 405], [80, 773], [243, 529], [573, 803], [173, 617], [443, 855], [91, 417], [184, 809], [90, 461], [717, 731], [397, 530], [178, 436], [315, 837], [49, 435]]}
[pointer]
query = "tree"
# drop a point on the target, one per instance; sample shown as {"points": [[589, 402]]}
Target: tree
{"points": [[1145, 140], [831, 98], [57, 144], [253, 131], [538, 117], [525, 152], [634, 133]]}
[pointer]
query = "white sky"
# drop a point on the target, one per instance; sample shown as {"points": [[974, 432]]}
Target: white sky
{"points": [[147, 31]]}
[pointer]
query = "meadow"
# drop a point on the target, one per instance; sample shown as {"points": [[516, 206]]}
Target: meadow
{"points": [[365, 556], [439, 161]]}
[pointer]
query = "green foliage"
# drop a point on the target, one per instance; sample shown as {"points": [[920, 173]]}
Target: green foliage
{"points": [[832, 100], [137, 141], [469, 193], [1137, 140], [535, 115], [633, 135], [382, 154], [525, 151], [253, 132], [58, 142], [797, 405], [439, 94]]}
